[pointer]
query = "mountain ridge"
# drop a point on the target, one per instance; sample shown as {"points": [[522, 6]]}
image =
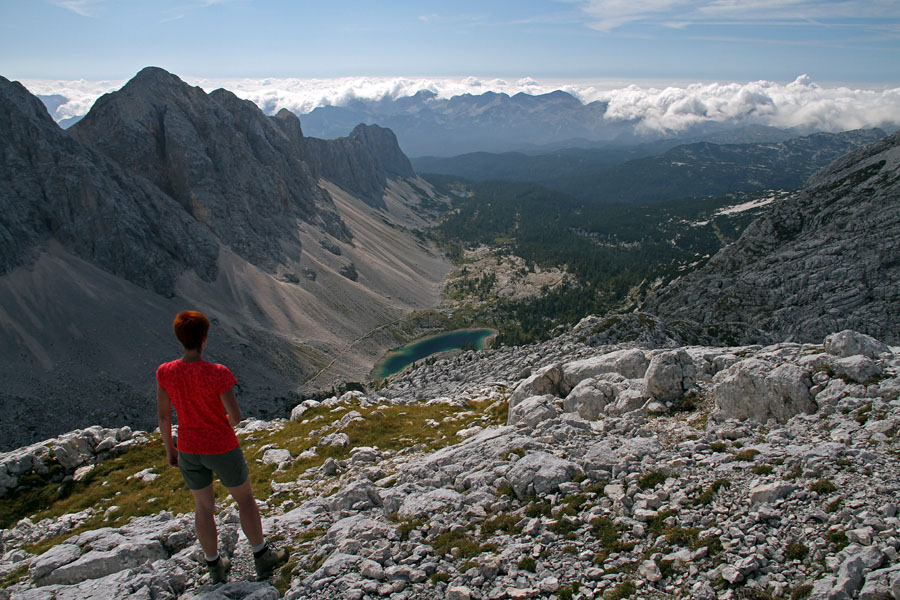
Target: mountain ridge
{"points": [[290, 266]]}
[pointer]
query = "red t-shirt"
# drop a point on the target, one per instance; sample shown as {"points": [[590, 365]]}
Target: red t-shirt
{"points": [[194, 388]]}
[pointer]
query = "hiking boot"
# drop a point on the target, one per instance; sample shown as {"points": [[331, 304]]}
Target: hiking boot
{"points": [[219, 571], [267, 562]]}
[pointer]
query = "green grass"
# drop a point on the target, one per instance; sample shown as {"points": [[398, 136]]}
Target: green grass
{"points": [[717, 446], [440, 577], [762, 470], [13, 577], [466, 545], [707, 495], [746, 455], [501, 522], [621, 591], [822, 487], [527, 564], [391, 428], [538, 509], [796, 551], [651, 479], [834, 505], [838, 538]]}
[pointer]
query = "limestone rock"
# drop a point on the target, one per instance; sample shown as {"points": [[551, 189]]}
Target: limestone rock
{"points": [[851, 343], [532, 411], [540, 473], [670, 375], [754, 389]]}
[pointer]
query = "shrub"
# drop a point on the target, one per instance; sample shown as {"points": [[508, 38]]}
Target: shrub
{"points": [[503, 522], [651, 479], [707, 495], [796, 551], [746, 455], [623, 590], [822, 487]]}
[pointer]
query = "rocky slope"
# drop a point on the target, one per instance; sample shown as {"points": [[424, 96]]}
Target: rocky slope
{"points": [[620, 471], [824, 259], [304, 252]]}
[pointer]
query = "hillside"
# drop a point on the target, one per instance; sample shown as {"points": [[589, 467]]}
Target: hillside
{"points": [[303, 252], [824, 259], [660, 171], [572, 468]]}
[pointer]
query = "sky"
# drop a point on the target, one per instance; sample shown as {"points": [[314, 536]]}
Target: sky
{"points": [[833, 41], [829, 64]]}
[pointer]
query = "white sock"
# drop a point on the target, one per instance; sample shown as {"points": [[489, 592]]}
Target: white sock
{"points": [[259, 547], [211, 558]]}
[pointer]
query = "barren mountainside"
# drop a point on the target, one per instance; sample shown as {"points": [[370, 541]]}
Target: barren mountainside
{"points": [[825, 259], [303, 252]]}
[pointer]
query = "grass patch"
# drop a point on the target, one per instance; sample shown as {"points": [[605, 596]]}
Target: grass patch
{"points": [[520, 452], [651, 479], [834, 505], [538, 509], [801, 592], [13, 577], [404, 528], [796, 473], [838, 538], [717, 446], [626, 589], [822, 487], [501, 522], [466, 545], [862, 415], [567, 592], [440, 577], [796, 551], [707, 495], [746, 455], [762, 470], [527, 564], [564, 527], [391, 428]]}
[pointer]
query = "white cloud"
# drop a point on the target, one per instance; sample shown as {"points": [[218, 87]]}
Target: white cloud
{"points": [[606, 15], [85, 8], [672, 108]]}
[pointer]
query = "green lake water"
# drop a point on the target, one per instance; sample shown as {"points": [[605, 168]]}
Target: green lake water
{"points": [[397, 360]]}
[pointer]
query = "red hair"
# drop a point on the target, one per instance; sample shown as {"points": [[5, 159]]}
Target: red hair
{"points": [[191, 328]]}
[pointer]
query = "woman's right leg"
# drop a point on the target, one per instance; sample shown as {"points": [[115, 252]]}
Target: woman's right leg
{"points": [[251, 522], [204, 520]]}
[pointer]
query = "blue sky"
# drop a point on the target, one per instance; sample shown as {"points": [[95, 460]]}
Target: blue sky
{"points": [[846, 41]]}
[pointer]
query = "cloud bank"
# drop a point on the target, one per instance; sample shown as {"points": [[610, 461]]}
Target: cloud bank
{"points": [[664, 109]]}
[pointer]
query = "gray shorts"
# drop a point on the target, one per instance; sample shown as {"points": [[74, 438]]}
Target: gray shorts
{"points": [[197, 469]]}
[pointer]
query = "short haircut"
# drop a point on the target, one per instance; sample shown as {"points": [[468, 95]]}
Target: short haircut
{"points": [[191, 328]]}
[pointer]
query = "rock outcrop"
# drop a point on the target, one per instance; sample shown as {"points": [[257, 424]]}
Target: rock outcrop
{"points": [[229, 166], [55, 188], [677, 499], [823, 260]]}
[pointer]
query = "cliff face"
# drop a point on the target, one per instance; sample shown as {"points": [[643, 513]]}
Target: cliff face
{"points": [[360, 163], [167, 198], [55, 188], [228, 165], [827, 258]]}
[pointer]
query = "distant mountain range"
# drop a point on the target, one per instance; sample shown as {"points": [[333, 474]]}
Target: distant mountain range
{"points": [[163, 198], [657, 171]]}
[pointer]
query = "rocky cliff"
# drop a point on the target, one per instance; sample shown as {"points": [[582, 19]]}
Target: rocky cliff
{"points": [[166, 198], [824, 259], [561, 470]]}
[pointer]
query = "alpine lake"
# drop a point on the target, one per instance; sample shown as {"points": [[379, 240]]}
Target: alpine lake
{"points": [[399, 358]]}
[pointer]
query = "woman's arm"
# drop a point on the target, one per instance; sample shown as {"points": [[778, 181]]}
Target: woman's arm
{"points": [[231, 407], [164, 417]]}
